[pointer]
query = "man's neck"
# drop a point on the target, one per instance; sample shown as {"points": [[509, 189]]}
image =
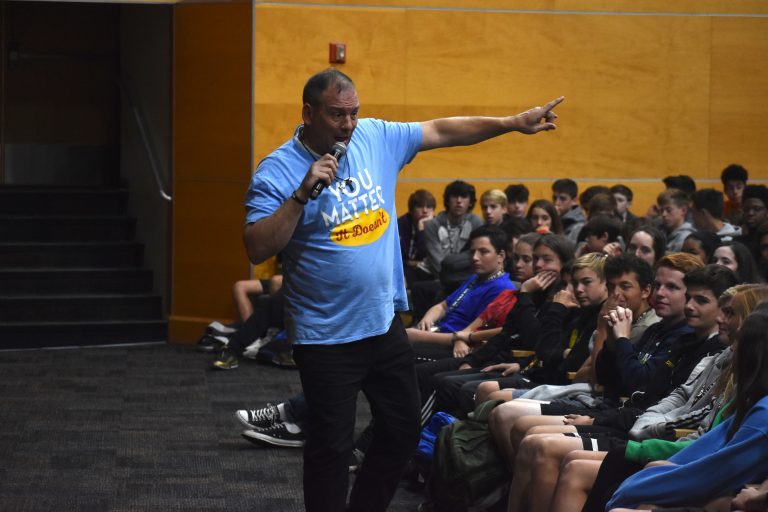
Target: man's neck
{"points": [[455, 220], [309, 142]]}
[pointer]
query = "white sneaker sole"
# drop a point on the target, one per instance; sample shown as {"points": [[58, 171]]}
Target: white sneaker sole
{"points": [[257, 437]]}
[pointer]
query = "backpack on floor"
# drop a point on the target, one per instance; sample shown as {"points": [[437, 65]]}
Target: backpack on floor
{"points": [[426, 450], [467, 469]]}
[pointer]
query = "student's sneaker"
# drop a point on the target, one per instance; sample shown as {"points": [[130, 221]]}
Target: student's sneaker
{"points": [[252, 350], [226, 361], [259, 418], [210, 343], [276, 435], [219, 329]]}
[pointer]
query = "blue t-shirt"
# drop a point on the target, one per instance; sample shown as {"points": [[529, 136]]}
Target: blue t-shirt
{"points": [[343, 271], [473, 303]]}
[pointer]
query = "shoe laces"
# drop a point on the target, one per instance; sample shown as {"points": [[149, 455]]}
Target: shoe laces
{"points": [[269, 413]]}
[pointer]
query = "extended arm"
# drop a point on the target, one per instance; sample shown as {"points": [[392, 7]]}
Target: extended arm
{"points": [[465, 131]]}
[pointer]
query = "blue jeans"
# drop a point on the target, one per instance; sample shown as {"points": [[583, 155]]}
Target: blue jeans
{"points": [[332, 375]]}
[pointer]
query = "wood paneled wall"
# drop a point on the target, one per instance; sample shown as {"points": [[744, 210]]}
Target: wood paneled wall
{"points": [[211, 153], [647, 95]]}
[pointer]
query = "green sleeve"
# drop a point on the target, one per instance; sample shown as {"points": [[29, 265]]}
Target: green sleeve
{"points": [[653, 449]]}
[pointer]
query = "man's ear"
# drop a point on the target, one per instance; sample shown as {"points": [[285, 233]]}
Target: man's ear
{"points": [[306, 114], [646, 292], [604, 236]]}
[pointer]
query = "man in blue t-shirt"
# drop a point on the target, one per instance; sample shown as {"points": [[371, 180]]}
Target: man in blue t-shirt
{"points": [[344, 278]]}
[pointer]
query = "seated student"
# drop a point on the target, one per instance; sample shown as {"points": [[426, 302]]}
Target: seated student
{"points": [[522, 257], [755, 213], [673, 207], [647, 243], [515, 228], [734, 178], [243, 293], [598, 232], [602, 204], [729, 456], [517, 200], [445, 238], [679, 182], [590, 193], [623, 197], [707, 213], [449, 231], [543, 217], [253, 334], [493, 204], [737, 257], [521, 327], [540, 454], [452, 322], [410, 226], [621, 367], [564, 197], [701, 244]]}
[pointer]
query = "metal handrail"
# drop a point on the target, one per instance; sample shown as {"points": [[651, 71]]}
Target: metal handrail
{"points": [[153, 161]]}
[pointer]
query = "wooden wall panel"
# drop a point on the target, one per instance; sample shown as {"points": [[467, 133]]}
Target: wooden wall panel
{"points": [[739, 86], [696, 7], [212, 161], [641, 90]]}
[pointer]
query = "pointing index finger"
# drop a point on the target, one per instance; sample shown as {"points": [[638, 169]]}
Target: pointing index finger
{"points": [[552, 104]]}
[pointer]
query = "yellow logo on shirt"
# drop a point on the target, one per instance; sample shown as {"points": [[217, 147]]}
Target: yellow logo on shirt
{"points": [[363, 230]]}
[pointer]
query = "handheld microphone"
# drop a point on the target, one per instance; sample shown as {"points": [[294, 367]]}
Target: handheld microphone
{"points": [[337, 151]]}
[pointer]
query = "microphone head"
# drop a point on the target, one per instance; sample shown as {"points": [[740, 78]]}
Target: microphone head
{"points": [[338, 150]]}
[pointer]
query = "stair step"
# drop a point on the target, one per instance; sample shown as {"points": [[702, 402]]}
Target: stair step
{"points": [[79, 308], [64, 200], [65, 281], [61, 334], [46, 228], [73, 255]]}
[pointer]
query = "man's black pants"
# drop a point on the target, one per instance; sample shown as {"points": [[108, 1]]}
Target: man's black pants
{"points": [[332, 375]]}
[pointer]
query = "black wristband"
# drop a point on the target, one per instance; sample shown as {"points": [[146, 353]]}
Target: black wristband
{"points": [[296, 198]]}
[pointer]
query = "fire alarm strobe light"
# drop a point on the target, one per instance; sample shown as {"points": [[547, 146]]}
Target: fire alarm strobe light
{"points": [[337, 53]]}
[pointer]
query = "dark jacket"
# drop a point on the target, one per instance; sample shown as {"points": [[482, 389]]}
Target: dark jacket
{"points": [[520, 332], [686, 353], [627, 368], [558, 325]]}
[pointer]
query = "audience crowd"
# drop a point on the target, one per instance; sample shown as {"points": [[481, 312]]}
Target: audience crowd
{"points": [[600, 359]]}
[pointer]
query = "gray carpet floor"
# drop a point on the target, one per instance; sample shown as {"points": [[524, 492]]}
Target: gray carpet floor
{"points": [[143, 428]]}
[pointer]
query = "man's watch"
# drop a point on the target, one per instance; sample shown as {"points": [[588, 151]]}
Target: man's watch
{"points": [[302, 202]]}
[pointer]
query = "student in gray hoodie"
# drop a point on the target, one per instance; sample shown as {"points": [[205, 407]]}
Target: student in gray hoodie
{"points": [[673, 205]]}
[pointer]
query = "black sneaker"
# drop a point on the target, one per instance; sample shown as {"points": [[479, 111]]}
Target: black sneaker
{"points": [[225, 361], [276, 435], [211, 344], [258, 418]]}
